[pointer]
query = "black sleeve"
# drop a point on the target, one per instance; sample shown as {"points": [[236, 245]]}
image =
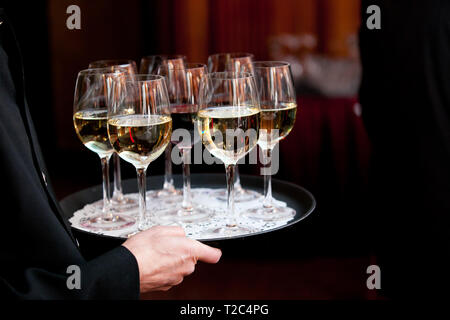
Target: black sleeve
{"points": [[36, 246], [114, 275]]}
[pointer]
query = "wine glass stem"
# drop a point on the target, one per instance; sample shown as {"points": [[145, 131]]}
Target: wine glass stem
{"points": [[168, 180], [187, 203], [237, 183], [230, 196], [106, 197], [141, 176], [267, 203], [117, 193]]}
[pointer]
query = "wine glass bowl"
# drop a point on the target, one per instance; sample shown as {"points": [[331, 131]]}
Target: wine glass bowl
{"points": [[153, 63], [183, 84], [140, 140], [129, 65], [231, 62]]}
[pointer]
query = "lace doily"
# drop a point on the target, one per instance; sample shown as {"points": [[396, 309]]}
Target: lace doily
{"points": [[199, 230]]}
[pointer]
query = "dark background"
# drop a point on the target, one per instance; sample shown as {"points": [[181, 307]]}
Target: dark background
{"points": [[328, 151]]}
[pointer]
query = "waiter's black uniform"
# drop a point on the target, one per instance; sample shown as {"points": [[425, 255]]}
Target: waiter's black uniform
{"points": [[405, 97], [37, 246]]}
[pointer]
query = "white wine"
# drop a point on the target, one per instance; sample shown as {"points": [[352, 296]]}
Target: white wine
{"points": [[140, 139], [91, 128], [215, 125], [276, 123]]}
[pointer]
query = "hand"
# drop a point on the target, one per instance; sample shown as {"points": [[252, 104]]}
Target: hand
{"points": [[165, 256]]}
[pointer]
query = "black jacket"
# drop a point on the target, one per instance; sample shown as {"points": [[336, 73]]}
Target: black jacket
{"points": [[405, 96], [36, 243]]}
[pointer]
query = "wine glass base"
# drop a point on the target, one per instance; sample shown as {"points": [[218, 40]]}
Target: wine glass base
{"points": [[163, 193], [230, 231], [124, 205], [113, 222], [270, 214], [242, 195], [156, 221], [181, 215], [167, 199]]}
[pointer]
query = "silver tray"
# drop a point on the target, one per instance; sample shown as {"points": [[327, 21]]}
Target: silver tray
{"points": [[296, 197]]}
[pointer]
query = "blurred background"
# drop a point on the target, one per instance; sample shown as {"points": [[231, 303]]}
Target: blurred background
{"points": [[327, 152]]}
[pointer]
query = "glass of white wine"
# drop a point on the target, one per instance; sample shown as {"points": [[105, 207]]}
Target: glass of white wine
{"points": [[91, 100], [168, 195], [121, 202], [228, 122], [278, 112], [183, 85], [139, 128], [233, 62]]}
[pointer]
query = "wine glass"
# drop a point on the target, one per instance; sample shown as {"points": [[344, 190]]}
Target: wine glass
{"points": [[233, 62], [122, 202], [150, 64], [153, 65], [91, 100], [228, 122], [183, 86], [139, 128], [278, 113], [129, 65]]}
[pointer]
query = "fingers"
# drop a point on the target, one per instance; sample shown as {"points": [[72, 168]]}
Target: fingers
{"points": [[163, 288], [203, 252], [188, 266], [176, 280], [165, 256]]}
